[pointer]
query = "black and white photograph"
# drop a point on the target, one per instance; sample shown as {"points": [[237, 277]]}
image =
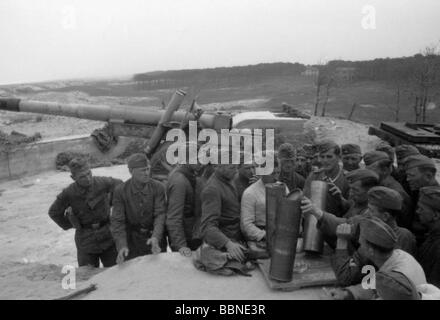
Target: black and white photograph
{"points": [[207, 151]]}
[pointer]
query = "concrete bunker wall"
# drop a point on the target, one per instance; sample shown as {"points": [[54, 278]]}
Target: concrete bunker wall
{"points": [[40, 156]]}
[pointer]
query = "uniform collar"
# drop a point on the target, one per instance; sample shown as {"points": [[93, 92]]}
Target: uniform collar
{"points": [[82, 190], [139, 188]]}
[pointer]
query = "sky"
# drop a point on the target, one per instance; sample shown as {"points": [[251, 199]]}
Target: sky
{"points": [[44, 40]]}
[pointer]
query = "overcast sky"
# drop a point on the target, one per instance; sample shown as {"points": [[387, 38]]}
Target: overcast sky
{"points": [[57, 39]]}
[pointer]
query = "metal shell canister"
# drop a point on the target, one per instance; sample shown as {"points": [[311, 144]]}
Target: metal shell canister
{"points": [[313, 240], [274, 192], [286, 236]]}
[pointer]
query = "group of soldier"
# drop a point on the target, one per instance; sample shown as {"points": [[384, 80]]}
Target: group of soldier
{"points": [[377, 214]]}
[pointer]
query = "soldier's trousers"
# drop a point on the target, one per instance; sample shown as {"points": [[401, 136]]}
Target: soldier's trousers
{"points": [[106, 257]]}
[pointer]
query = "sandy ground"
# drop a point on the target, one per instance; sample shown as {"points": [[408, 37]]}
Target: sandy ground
{"points": [[33, 248]]}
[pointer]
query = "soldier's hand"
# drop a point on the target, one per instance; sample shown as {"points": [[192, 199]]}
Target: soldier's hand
{"points": [[122, 254], [155, 248], [185, 251], [72, 218], [339, 294], [334, 190], [254, 179], [343, 231], [307, 206], [236, 251]]}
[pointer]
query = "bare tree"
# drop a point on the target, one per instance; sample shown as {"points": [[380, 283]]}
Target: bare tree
{"points": [[425, 79], [353, 108], [330, 83], [324, 78]]}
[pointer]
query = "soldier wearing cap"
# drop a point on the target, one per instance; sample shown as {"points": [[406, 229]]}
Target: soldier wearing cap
{"points": [[329, 154], [182, 217], [380, 162], [138, 216], [386, 204], [85, 206], [351, 157], [286, 159], [420, 172], [312, 157], [360, 182], [428, 211], [389, 150], [402, 152], [303, 162], [385, 147], [398, 273], [383, 203]]}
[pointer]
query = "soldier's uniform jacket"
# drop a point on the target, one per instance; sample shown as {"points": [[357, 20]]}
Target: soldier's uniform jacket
{"points": [[292, 179], [181, 211], [91, 207], [329, 222], [220, 221], [347, 267], [241, 183], [429, 256], [138, 213], [333, 204], [399, 277], [355, 210]]}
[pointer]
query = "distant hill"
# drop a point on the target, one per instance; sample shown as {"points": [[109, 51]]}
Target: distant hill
{"points": [[403, 69], [217, 76]]}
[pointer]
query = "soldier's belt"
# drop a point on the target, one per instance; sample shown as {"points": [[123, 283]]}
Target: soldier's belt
{"points": [[96, 225], [141, 229]]}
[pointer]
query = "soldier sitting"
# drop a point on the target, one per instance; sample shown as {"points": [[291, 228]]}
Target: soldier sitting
{"points": [[85, 206], [253, 210], [398, 273], [182, 217]]}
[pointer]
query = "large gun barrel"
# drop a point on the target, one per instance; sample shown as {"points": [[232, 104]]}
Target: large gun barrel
{"points": [[122, 113]]}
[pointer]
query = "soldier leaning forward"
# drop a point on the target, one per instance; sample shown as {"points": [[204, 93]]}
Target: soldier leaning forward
{"points": [[138, 216], [85, 206]]}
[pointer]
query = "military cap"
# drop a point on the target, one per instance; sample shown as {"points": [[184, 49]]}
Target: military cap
{"points": [[385, 198], [325, 145], [378, 232], [418, 161], [395, 286], [385, 147], [77, 165], [286, 152], [300, 152], [374, 156], [309, 149], [405, 150], [430, 196], [350, 148], [361, 174], [137, 160]]}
